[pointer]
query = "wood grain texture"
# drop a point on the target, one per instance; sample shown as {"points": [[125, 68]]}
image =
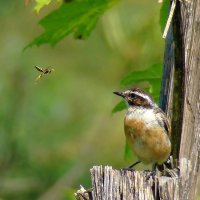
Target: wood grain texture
{"points": [[187, 59], [190, 137], [112, 184]]}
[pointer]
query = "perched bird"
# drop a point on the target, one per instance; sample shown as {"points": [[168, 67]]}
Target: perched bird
{"points": [[146, 127]]}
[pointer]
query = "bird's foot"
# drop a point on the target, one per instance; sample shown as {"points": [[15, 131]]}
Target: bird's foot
{"points": [[128, 169]]}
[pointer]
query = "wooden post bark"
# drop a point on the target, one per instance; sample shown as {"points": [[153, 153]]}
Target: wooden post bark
{"points": [[180, 99]]}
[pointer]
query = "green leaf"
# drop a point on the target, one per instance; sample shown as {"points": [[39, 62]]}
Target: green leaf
{"points": [[40, 4], [164, 12], [154, 89], [128, 152], [120, 106], [78, 17], [151, 73]]}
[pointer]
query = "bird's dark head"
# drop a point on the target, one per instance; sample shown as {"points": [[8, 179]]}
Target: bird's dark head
{"points": [[136, 97]]}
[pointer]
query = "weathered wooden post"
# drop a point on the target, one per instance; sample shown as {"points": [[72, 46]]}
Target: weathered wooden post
{"points": [[180, 99]]}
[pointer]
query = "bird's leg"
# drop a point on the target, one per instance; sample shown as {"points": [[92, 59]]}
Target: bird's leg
{"points": [[134, 164], [130, 168], [165, 169], [154, 167], [171, 168], [154, 170]]}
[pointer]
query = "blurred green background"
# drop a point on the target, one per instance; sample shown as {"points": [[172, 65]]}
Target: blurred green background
{"points": [[53, 132]]}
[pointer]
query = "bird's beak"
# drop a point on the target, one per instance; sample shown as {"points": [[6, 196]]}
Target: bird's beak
{"points": [[121, 94]]}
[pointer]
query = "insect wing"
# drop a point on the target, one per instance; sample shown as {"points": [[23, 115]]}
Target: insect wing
{"points": [[38, 77], [39, 69]]}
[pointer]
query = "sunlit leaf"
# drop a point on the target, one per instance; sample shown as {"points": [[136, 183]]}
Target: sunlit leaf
{"points": [[119, 107], [41, 3], [78, 17], [164, 12]]}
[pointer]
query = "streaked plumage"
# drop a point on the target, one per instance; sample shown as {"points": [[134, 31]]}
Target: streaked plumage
{"points": [[146, 127]]}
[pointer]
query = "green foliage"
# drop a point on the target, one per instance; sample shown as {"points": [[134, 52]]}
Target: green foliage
{"points": [[164, 11], [152, 75], [40, 4], [128, 153], [119, 107], [78, 17]]}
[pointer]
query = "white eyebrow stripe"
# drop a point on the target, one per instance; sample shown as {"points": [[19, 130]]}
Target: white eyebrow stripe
{"points": [[143, 95]]}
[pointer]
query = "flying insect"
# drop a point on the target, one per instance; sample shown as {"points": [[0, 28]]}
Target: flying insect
{"points": [[44, 71]]}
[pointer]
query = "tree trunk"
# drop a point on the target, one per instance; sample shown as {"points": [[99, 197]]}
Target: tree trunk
{"points": [[180, 99]]}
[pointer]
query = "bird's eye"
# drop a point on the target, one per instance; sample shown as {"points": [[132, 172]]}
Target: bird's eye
{"points": [[133, 96]]}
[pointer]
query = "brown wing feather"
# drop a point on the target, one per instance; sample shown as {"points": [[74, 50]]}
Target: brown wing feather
{"points": [[163, 120]]}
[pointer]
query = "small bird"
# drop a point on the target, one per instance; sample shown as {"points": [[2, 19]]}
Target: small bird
{"points": [[147, 128]]}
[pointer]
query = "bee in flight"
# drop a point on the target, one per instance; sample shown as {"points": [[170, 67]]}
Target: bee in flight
{"points": [[44, 71]]}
